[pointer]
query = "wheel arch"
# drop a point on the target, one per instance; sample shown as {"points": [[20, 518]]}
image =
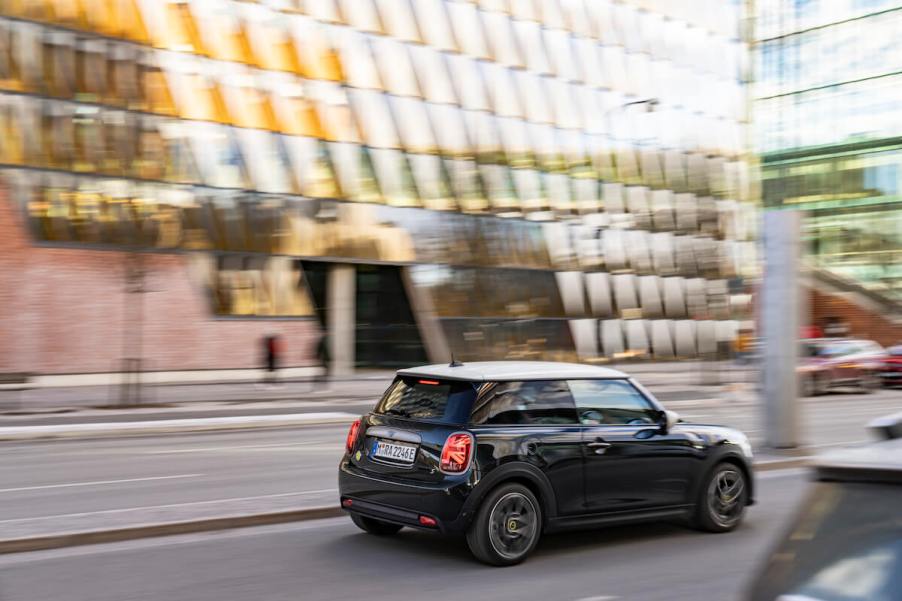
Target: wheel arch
{"points": [[517, 473]]}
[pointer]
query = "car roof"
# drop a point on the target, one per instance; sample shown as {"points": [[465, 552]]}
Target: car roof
{"points": [[498, 371]]}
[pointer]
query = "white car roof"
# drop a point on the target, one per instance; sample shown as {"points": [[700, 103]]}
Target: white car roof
{"points": [[492, 371]]}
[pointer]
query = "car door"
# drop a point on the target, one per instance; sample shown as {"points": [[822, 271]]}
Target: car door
{"points": [[534, 422], [630, 462]]}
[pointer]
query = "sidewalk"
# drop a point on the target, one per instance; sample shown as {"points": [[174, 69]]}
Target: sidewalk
{"points": [[46, 394]]}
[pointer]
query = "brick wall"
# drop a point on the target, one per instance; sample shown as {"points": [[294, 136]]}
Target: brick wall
{"points": [[863, 323], [63, 311]]}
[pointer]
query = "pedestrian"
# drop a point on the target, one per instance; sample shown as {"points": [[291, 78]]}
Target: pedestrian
{"points": [[321, 379], [271, 350]]}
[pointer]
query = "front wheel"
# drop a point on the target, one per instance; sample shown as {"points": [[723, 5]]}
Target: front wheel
{"points": [[507, 526], [722, 499], [373, 526]]}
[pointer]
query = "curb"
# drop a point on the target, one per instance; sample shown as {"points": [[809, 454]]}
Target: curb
{"points": [[782, 464], [93, 537], [172, 426]]}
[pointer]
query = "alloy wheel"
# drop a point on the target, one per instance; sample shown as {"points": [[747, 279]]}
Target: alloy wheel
{"points": [[726, 496], [513, 525]]}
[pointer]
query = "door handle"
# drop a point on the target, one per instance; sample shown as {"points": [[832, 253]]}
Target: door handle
{"points": [[600, 446]]}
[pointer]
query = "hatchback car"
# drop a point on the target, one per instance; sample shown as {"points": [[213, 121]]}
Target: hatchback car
{"points": [[505, 451], [840, 363], [891, 373]]}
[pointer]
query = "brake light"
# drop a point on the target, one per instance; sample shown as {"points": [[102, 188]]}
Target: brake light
{"points": [[352, 435], [429, 382], [457, 452]]}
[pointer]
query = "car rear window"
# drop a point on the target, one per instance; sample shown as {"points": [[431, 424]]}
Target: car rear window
{"points": [[429, 399]]}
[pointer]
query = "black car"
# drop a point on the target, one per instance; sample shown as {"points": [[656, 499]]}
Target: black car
{"points": [[504, 451], [845, 542]]}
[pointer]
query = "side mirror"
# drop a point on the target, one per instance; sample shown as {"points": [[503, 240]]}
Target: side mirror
{"points": [[670, 420]]}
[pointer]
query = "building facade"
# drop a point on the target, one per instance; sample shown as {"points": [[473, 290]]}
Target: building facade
{"points": [[828, 83], [562, 179]]}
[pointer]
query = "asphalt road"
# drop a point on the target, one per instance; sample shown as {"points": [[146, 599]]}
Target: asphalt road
{"points": [[59, 478], [332, 560]]}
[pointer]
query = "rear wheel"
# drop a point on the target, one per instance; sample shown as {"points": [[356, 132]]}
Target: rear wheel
{"points": [[722, 499], [869, 382], [373, 526], [507, 526]]}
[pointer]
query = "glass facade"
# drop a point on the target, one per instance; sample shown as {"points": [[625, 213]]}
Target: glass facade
{"points": [[829, 76], [556, 178]]}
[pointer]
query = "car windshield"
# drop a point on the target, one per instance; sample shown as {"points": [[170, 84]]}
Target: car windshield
{"points": [[895, 351], [846, 545], [830, 349], [446, 401]]}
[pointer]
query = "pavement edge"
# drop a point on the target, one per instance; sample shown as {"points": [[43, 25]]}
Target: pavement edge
{"points": [[93, 537]]}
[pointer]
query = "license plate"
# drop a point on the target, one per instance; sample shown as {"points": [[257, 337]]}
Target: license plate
{"points": [[402, 453]]}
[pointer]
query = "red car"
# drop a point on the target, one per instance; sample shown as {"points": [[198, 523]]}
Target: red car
{"points": [[891, 373], [840, 363]]}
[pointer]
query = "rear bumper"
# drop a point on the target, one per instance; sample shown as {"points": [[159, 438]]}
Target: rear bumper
{"points": [[403, 503]]}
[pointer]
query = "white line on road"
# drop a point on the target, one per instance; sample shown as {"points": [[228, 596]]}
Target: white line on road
{"points": [[331, 445], [97, 482], [191, 504]]}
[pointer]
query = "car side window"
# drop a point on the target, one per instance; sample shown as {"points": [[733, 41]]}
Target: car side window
{"points": [[534, 402], [611, 402]]}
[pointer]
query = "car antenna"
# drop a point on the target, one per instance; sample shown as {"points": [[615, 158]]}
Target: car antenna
{"points": [[454, 362]]}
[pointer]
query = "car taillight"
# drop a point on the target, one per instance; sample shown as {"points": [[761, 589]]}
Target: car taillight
{"points": [[457, 452], [352, 435]]}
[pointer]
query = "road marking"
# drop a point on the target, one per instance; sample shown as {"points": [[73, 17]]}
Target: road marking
{"points": [[848, 443], [191, 504], [285, 445], [97, 482]]}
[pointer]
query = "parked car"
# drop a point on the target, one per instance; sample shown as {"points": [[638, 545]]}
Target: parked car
{"points": [[845, 543], [891, 372], [839, 363], [506, 451]]}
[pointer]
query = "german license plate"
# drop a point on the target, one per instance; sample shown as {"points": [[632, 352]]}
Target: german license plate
{"points": [[402, 453]]}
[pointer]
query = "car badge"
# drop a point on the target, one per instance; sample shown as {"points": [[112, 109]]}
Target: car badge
{"points": [[357, 456]]}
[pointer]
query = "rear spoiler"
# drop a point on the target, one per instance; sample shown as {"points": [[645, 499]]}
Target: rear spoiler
{"points": [[888, 427]]}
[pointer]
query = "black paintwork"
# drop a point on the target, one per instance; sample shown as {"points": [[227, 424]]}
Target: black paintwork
{"points": [[637, 473]]}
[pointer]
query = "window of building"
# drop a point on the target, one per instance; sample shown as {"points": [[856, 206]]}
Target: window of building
{"points": [[397, 17], [468, 29], [434, 23]]}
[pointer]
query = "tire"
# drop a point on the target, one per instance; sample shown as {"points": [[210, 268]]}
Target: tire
{"points": [[809, 386], [869, 383], [507, 526], [718, 509], [374, 526]]}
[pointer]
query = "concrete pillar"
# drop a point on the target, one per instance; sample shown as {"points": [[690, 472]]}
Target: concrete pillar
{"points": [[780, 321], [341, 292], [427, 320]]}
